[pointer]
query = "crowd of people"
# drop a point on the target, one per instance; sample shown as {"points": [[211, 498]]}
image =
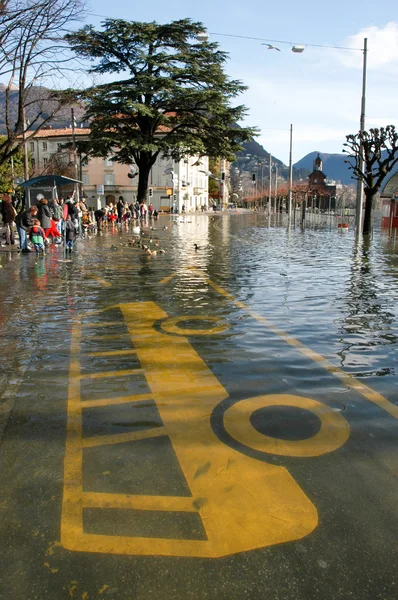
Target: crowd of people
{"points": [[124, 213], [62, 220]]}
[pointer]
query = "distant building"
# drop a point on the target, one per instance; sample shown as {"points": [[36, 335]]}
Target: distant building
{"points": [[104, 180], [389, 198], [321, 194]]}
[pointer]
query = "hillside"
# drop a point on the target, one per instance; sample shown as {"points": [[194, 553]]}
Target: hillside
{"points": [[38, 95], [254, 153], [334, 166]]}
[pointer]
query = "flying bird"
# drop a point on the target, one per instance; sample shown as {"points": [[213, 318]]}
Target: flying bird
{"points": [[270, 47]]}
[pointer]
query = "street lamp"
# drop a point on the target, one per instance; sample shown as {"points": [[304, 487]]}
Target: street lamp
{"points": [[358, 213], [202, 36]]}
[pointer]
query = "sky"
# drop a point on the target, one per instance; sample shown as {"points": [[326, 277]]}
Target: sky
{"points": [[317, 91]]}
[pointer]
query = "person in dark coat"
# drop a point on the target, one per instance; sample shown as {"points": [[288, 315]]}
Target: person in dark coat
{"points": [[8, 214], [120, 208], [71, 208], [44, 214], [99, 217], [70, 234], [24, 221]]}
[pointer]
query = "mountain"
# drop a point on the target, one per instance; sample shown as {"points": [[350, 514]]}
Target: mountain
{"points": [[254, 153], [38, 96], [333, 166]]}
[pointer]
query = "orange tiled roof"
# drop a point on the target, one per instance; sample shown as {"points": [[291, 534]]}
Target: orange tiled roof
{"points": [[44, 133]]}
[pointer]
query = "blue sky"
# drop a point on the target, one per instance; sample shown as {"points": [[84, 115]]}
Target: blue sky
{"points": [[318, 91]]}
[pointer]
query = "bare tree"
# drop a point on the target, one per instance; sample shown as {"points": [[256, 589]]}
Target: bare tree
{"points": [[380, 155], [33, 51]]}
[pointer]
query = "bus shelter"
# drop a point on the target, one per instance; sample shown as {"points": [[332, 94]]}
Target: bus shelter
{"points": [[49, 186]]}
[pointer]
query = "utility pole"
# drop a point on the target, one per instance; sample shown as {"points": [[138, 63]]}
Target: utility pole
{"points": [[358, 217], [276, 186], [270, 183], [223, 181], [25, 146], [289, 198], [75, 154]]}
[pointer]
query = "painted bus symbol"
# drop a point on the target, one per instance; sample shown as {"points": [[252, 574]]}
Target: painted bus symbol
{"points": [[242, 503]]}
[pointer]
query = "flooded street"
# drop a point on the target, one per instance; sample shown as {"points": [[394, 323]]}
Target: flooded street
{"points": [[216, 423]]}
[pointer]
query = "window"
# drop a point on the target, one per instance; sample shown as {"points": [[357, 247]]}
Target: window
{"points": [[108, 161], [109, 179], [86, 179], [59, 147], [44, 146], [32, 146], [45, 161], [33, 163]]}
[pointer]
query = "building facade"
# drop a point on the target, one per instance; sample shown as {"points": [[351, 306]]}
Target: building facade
{"points": [[172, 184], [389, 197]]}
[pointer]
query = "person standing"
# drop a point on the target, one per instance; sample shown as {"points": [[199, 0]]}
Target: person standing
{"points": [[70, 234], [120, 209], [38, 237], [58, 214], [8, 214], [44, 215], [24, 221]]}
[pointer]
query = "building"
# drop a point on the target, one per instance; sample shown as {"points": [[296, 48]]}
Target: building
{"points": [[172, 184], [389, 207], [321, 194]]}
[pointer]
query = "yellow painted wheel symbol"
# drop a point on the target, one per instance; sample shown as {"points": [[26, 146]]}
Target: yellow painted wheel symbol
{"points": [[333, 433], [171, 325]]}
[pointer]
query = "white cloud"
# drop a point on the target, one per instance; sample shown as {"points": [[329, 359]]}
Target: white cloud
{"points": [[382, 48]]}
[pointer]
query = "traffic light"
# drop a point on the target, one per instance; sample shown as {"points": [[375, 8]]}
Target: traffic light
{"points": [[150, 192], [254, 178], [222, 176], [175, 197]]}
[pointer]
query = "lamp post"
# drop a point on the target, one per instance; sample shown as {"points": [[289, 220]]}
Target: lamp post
{"points": [[75, 154], [358, 214], [270, 184], [289, 197]]}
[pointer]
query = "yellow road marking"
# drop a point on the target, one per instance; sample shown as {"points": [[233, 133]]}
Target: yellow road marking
{"points": [[161, 503], [110, 336], [100, 280], [346, 378], [243, 503], [120, 438], [102, 324], [172, 325], [117, 400], [334, 431], [103, 374], [167, 279], [71, 523], [112, 353]]}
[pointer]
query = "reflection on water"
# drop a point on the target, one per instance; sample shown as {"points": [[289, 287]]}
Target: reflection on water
{"points": [[334, 294]]}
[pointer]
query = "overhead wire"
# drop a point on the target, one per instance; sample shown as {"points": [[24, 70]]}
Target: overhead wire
{"points": [[247, 37]]}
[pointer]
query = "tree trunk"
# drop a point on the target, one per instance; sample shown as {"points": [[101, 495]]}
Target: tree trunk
{"points": [[143, 179], [367, 220]]}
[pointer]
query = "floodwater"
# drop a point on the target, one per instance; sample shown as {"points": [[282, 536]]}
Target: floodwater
{"points": [[256, 376]]}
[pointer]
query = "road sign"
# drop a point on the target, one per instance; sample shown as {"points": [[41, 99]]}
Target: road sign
{"points": [[100, 189]]}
